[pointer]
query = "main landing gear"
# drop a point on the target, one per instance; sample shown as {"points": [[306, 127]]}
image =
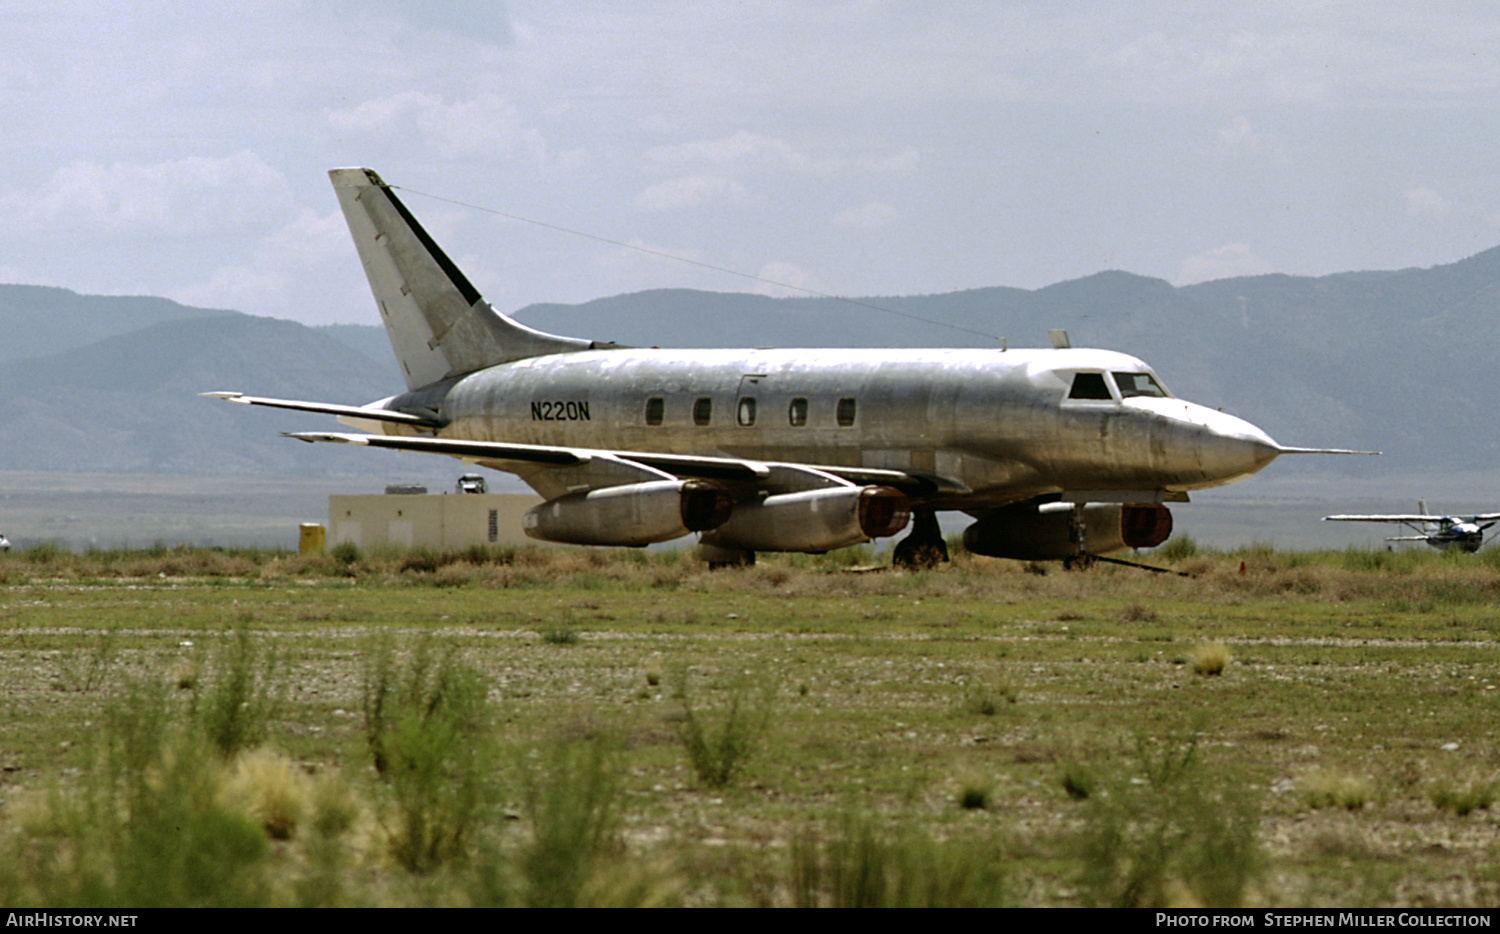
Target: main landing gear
{"points": [[924, 547], [717, 557]]}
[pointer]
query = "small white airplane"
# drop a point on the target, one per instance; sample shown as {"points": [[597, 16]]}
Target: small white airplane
{"points": [[1062, 454], [1466, 533]]}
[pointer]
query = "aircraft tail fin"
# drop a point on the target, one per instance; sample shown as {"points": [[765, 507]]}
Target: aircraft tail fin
{"points": [[439, 325]]}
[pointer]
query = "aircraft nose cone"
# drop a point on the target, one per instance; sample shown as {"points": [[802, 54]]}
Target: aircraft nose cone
{"points": [[1230, 448]]}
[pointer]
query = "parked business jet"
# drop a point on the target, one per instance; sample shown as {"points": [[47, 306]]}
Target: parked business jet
{"points": [[1058, 454]]}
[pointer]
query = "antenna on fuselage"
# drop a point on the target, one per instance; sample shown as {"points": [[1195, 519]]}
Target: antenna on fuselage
{"points": [[1059, 338]]}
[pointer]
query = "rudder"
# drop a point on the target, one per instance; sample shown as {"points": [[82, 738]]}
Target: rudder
{"points": [[439, 325]]}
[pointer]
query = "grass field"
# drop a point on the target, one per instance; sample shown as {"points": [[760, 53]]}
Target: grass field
{"points": [[199, 726]]}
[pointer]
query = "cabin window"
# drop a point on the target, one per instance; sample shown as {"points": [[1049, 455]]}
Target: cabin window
{"points": [[1089, 386], [1139, 384], [746, 414], [656, 407], [846, 413], [703, 411], [796, 413]]}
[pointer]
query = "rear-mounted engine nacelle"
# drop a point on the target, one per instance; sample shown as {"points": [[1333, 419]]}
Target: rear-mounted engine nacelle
{"points": [[1029, 534], [814, 520], [631, 514]]}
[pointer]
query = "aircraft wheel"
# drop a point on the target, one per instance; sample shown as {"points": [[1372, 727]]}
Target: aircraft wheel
{"points": [[924, 547], [716, 557], [919, 556]]}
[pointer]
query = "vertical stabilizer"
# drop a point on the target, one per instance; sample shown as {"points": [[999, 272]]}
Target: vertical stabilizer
{"points": [[438, 323]]}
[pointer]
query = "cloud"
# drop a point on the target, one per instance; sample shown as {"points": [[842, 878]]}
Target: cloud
{"points": [[1225, 262], [638, 252], [902, 162], [743, 150], [783, 280], [1239, 138], [486, 122], [236, 287], [1424, 202], [302, 249], [870, 218], [182, 197], [14, 276], [679, 193], [1237, 57]]}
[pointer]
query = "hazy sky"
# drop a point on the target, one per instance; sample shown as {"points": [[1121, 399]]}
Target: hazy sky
{"points": [[860, 148]]}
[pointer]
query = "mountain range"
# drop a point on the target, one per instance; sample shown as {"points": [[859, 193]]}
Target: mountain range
{"points": [[1391, 361]]}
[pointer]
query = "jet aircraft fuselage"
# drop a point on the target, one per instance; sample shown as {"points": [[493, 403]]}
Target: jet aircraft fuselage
{"points": [[999, 423], [1059, 454]]}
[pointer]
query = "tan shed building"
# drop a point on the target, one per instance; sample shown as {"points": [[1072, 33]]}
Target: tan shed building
{"points": [[444, 521]]}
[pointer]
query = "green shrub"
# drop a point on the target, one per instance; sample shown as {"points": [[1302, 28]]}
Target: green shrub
{"points": [[572, 803], [345, 553], [863, 867], [47, 554], [1171, 835], [1463, 798], [1078, 781], [83, 670], [990, 697], [242, 694], [1179, 548], [429, 729], [719, 743], [144, 826]]}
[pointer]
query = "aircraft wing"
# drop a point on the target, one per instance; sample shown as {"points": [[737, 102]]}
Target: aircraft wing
{"points": [[556, 471], [1408, 517], [361, 412]]}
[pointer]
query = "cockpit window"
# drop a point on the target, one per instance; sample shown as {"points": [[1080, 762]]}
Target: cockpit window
{"points": [[1139, 384], [1089, 386]]}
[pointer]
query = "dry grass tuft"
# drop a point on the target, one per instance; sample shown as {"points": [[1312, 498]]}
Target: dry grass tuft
{"points": [[1210, 658], [1462, 796], [1137, 613], [270, 788], [1328, 788]]}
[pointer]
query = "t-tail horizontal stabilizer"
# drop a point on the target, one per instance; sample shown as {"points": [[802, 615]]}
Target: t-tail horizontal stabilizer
{"points": [[346, 413]]}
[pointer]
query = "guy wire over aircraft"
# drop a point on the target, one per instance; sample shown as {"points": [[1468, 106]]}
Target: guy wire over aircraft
{"points": [[1063, 454]]}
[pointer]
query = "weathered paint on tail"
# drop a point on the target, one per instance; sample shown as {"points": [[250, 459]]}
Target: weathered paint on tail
{"points": [[439, 325]]}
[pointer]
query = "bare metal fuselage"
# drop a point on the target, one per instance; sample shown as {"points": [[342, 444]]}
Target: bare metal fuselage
{"points": [[1058, 454], [994, 426]]}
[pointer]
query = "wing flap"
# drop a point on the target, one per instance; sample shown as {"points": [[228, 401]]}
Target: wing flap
{"points": [[468, 450], [543, 467]]}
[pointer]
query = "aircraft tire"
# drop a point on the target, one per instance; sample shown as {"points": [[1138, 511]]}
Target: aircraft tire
{"points": [[717, 558], [924, 548]]}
